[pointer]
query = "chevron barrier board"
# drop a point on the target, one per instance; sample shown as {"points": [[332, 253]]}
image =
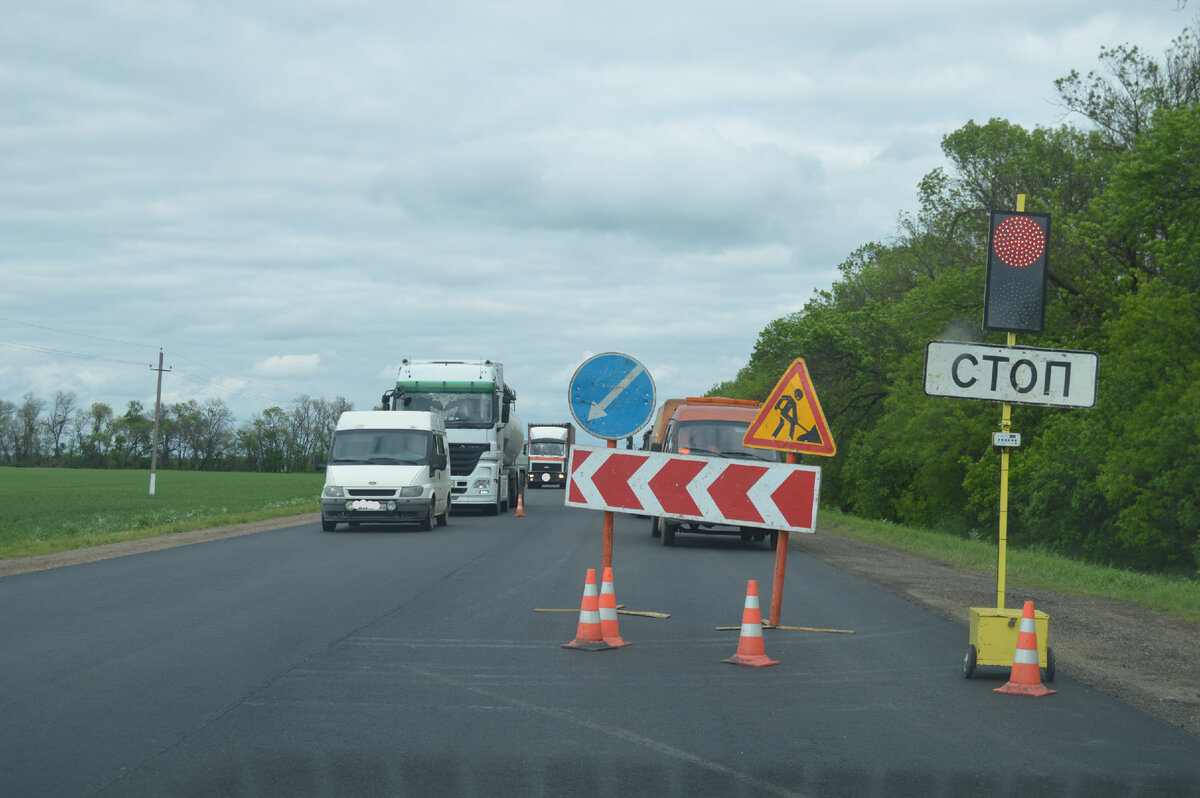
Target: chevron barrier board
{"points": [[693, 488]]}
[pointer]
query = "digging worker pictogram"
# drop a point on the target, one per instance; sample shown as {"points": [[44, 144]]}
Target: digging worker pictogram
{"points": [[789, 413], [788, 406]]}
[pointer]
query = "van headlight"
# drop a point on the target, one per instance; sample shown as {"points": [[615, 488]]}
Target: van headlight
{"points": [[411, 492], [333, 492]]}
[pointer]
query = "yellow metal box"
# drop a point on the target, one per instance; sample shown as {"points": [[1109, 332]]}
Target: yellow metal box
{"points": [[993, 638]]}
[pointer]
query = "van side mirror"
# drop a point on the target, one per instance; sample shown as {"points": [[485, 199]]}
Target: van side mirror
{"points": [[319, 461]]}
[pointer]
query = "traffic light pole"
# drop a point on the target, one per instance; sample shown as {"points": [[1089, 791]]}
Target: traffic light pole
{"points": [[1005, 427]]}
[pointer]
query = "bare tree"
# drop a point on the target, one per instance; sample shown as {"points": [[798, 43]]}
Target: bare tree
{"points": [[8, 431], [60, 416], [29, 444]]}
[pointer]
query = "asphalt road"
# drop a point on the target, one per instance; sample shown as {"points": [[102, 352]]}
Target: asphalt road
{"points": [[399, 662]]}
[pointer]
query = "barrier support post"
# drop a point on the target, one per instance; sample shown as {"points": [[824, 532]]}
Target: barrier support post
{"points": [[781, 547], [606, 554]]}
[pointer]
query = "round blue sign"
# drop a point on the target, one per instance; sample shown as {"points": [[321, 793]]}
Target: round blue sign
{"points": [[611, 396]]}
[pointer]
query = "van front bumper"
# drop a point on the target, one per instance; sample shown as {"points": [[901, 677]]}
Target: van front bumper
{"points": [[379, 511]]}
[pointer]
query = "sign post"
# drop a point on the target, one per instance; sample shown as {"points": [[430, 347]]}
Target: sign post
{"points": [[1014, 301], [790, 420], [611, 397]]}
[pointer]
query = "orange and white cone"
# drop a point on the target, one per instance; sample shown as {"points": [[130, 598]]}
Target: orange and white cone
{"points": [[520, 513], [608, 612], [588, 635], [1026, 678], [750, 650]]}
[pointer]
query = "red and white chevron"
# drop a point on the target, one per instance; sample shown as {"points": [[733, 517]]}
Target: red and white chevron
{"points": [[688, 487]]}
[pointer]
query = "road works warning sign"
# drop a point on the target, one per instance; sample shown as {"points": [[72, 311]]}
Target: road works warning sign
{"points": [[791, 418]]}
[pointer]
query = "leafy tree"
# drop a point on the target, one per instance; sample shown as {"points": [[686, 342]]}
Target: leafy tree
{"points": [[131, 434], [1123, 102]]}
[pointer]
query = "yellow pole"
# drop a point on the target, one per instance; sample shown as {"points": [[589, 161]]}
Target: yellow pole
{"points": [[1005, 426]]}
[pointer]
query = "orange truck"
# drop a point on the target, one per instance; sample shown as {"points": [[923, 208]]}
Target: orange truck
{"points": [[710, 426]]}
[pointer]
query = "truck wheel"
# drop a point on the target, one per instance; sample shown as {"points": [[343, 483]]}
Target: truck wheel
{"points": [[773, 540], [328, 526], [667, 530], [1048, 671], [654, 531], [494, 508]]}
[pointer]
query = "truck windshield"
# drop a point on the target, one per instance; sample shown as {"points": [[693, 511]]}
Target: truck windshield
{"points": [[719, 439], [458, 409], [381, 446], [548, 448]]}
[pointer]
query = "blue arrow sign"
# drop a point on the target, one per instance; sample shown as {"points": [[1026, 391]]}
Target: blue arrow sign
{"points": [[611, 396]]}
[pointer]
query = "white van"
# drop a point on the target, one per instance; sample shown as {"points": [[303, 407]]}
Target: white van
{"points": [[387, 467]]}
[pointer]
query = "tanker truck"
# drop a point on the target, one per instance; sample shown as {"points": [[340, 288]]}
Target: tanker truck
{"points": [[482, 428], [549, 448]]}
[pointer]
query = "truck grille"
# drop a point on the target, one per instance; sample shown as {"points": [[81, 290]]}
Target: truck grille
{"points": [[464, 457]]}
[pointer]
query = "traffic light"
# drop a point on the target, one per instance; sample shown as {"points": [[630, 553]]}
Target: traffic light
{"points": [[1014, 298]]}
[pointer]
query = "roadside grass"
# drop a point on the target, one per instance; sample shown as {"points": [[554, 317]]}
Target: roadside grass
{"points": [[44, 510], [1030, 567]]}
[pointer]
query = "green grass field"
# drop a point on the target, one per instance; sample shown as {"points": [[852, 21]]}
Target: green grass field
{"points": [[1175, 595], [44, 510]]}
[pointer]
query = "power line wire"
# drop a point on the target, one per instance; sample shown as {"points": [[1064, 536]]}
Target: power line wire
{"points": [[238, 391]]}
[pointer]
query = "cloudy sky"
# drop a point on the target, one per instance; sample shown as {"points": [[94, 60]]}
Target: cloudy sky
{"points": [[289, 197]]}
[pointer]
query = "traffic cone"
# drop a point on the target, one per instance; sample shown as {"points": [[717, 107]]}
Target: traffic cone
{"points": [[589, 636], [1026, 677], [750, 650], [608, 612], [520, 513]]}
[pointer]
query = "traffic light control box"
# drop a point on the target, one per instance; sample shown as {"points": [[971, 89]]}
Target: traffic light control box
{"points": [[994, 634]]}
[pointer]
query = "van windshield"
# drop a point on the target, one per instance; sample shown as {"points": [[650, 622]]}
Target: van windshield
{"points": [[381, 446], [719, 439]]}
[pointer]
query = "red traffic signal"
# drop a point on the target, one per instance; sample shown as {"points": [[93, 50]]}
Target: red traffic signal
{"points": [[1014, 298]]}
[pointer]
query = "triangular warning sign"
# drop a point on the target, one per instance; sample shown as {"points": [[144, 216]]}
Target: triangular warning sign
{"points": [[791, 418]]}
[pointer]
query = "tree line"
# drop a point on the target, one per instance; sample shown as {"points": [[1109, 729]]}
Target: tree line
{"points": [[191, 435], [1116, 483]]}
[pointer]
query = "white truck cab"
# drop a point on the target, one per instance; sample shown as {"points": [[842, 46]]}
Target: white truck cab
{"points": [[387, 467]]}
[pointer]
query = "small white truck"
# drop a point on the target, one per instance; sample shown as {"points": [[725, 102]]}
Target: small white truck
{"points": [[387, 467]]}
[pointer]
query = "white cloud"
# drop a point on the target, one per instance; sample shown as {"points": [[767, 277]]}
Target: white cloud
{"points": [[288, 366], [288, 198]]}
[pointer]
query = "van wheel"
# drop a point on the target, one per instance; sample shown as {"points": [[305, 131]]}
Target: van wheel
{"points": [[654, 532], [444, 518], [328, 526], [773, 540], [667, 531], [427, 522]]}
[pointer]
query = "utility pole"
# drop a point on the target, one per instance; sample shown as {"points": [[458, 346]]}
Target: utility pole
{"points": [[157, 405]]}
